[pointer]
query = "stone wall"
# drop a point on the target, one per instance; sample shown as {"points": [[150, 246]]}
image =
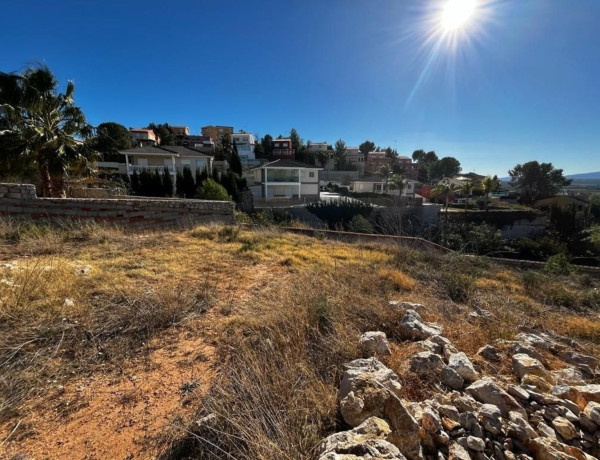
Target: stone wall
{"points": [[19, 201]]}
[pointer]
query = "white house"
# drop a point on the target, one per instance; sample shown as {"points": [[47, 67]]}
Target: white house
{"points": [[173, 158], [375, 184], [285, 179], [245, 143]]}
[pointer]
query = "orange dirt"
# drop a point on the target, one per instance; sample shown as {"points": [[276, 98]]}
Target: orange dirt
{"points": [[106, 416]]}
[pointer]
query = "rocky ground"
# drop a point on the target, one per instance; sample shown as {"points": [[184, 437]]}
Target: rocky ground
{"points": [[530, 413]]}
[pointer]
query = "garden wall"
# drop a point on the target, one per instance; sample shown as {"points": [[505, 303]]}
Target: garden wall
{"points": [[20, 201]]}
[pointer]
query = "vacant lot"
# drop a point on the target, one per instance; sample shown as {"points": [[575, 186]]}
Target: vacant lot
{"points": [[112, 344]]}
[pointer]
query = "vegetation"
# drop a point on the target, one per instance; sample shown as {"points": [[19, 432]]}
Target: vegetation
{"points": [[536, 181], [145, 309], [211, 190], [339, 214], [110, 138], [41, 128]]}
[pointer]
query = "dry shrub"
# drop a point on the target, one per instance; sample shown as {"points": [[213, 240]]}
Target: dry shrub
{"points": [[580, 327], [397, 279]]}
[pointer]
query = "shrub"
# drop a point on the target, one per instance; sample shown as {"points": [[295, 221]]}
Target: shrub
{"points": [[210, 190], [360, 224], [339, 213], [559, 264]]}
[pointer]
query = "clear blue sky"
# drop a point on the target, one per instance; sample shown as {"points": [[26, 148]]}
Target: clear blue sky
{"points": [[521, 83]]}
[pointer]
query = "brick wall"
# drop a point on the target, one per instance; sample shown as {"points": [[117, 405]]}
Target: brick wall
{"points": [[20, 201]]}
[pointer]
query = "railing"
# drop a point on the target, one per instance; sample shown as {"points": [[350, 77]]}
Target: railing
{"points": [[292, 179], [160, 169], [281, 202]]}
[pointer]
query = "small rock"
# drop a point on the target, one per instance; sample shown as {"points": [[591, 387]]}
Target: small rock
{"points": [[487, 391], [451, 379], [431, 421], [463, 366], [425, 363], [489, 353], [536, 382], [490, 418], [375, 343], [589, 392], [521, 426], [592, 412], [458, 452], [524, 364], [546, 431], [476, 444], [565, 428], [571, 376], [518, 392], [412, 327], [572, 357], [68, 303], [569, 393]]}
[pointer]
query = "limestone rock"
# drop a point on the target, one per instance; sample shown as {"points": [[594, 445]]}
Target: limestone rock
{"points": [[569, 393], [431, 421], [536, 382], [375, 343], [546, 431], [565, 428], [523, 430], [463, 366], [592, 412], [572, 357], [518, 392], [451, 379], [524, 364], [426, 363], [457, 452], [487, 391], [412, 327], [489, 353], [589, 392], [571, 376], [476, 444], [370, 389], [490, 417], [366, 441]]}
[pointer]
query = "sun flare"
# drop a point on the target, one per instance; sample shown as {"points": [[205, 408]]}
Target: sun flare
{"points": [[457, 13]]}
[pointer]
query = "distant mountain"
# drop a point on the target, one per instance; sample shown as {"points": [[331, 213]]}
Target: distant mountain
{"points": [[585, 176]]}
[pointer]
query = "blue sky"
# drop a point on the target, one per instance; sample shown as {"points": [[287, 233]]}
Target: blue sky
{"points": [[521, 82]]}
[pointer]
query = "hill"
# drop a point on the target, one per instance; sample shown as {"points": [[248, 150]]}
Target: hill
{"points": [[230, 342], [585, 176]]}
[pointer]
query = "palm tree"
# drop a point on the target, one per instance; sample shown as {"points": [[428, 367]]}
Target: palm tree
{"points": [[390, 177], [445, 187], [489, 185], [466, 189], [42, 127]]}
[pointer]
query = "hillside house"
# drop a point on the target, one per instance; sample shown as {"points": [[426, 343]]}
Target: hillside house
{"points": [[285, 179], [144, 137], [282, 149], [375, 160], [245, 143], [376, 184]]}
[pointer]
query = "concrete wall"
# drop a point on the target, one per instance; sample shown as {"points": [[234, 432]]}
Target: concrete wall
{"points": [[20, 201]]}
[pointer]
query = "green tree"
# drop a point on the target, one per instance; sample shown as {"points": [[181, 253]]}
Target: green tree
{"points": [[445, 167], [167, 183], [236, 162], [466, 190], [110, 138], [489, 185], [210, 190], [536, 181], [366, 147], [389, 177], [165, 133], [340, 148], [188, 185], [267, 146], [425, 160], [41, 127], [296, 139], [444, 188]]}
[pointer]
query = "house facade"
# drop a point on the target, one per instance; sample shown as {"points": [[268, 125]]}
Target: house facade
{"points": [[411, 170], [376, 184], [215, 132], [354, 160], [375, 160], [172, 159], [144, 137], [282, 149], [285, 179], [245, 143], [202, 143]]}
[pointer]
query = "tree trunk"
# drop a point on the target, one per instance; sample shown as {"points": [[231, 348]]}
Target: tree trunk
{"points": [[46, 180]]}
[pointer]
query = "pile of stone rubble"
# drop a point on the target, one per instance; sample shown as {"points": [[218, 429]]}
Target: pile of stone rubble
{"points": [[544, 415]]}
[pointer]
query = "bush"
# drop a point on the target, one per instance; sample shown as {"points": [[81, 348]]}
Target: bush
{"points": [[559, 264], [339, 213], [210, 190], [360, 224]]}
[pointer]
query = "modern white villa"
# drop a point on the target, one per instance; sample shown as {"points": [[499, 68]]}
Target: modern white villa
{"points": [[245, 143], [376, 184], [285, 179]]}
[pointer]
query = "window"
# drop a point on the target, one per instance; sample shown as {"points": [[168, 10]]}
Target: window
{"points": [[311, 174], [378, 187]]}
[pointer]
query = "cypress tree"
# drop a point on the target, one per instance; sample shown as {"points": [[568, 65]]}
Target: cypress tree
{"points": [[188, 186], [179, 185], [135, 183], [236, 162], [167, 183]]}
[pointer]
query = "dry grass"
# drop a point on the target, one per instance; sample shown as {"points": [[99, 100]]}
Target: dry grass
{"points": [[288, 312]]}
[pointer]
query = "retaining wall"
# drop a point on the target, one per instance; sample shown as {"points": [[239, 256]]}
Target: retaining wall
{"points": [[20, 201]]}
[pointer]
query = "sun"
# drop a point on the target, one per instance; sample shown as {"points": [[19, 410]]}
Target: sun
{"points": [[457, 13]]}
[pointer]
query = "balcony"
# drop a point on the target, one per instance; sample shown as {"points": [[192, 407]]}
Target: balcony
{"points": [[160, 169], [278, 176]]}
